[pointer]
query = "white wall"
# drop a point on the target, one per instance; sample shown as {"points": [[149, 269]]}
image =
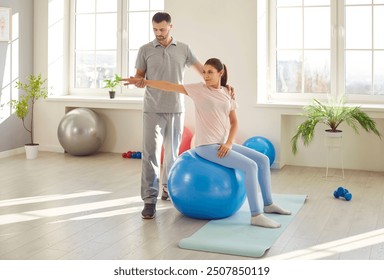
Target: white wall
{"points": [[16, 63], [227, 30]]}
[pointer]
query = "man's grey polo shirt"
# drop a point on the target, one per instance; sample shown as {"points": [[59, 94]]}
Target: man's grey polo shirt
{"points": [[164, 63]]}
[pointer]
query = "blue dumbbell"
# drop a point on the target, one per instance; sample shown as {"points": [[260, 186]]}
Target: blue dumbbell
{"points": [[341, 192]]}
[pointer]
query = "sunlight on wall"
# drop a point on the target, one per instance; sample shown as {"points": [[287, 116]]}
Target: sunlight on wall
{"points": [[11, 72], [56, 47], [5, 110]]}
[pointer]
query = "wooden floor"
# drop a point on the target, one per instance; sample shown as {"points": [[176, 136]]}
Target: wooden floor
{"points": [[82, 208]]}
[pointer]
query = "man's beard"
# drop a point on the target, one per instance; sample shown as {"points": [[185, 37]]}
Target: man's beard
{"points": [[162, 38]]}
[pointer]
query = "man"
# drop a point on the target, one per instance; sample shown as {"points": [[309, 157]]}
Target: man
{"points": [[163, 119]]}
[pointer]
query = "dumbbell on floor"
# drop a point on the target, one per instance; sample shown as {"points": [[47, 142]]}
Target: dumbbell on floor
{"points": [[342, 192]]}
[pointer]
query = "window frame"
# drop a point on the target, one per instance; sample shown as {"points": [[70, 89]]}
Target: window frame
{"points": [[266, 48], [122, 53]]}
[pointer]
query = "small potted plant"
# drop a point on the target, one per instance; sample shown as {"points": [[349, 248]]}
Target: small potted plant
{"points": [[111, 84], [332, 115], [34, 89]]}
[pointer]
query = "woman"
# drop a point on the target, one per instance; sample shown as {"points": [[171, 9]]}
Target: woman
{"points": [[216, 126]]}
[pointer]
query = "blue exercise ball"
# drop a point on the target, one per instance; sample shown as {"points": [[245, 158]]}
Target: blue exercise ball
{"points": [[81, 132], [262, 145], [202, 189]]}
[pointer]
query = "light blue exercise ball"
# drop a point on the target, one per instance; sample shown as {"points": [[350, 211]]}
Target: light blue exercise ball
{"points": [[81, 132], [262, 145], [202, 189]]}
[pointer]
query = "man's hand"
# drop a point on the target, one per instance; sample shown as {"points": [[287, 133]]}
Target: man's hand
{"points": [[138, 82], [231, 91]]}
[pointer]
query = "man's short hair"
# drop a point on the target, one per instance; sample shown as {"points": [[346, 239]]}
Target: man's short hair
{"points": [[161, 16]]}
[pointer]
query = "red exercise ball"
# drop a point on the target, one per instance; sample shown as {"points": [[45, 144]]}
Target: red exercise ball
{"points": [[185, 142]]}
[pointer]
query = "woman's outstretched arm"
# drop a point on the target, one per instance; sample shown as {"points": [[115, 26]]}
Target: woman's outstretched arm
{"points": [[162, 85]]}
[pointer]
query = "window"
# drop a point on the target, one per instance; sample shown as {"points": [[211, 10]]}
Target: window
{"points": [[364, 47], [105, 38], [318, 47]]}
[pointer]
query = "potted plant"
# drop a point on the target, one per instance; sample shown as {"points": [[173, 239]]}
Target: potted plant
{"points": [[332, 115], [112, 84], [34, 90]]}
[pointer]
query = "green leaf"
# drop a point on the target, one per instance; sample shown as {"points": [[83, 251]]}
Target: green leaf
{"points": [[332, 115], [34, 89], [112, 83]]}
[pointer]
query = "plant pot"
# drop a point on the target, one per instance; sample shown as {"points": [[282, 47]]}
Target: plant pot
{"points": [[31, 150], [333, 138], [334, 134], [334, 144], [112, 94]]}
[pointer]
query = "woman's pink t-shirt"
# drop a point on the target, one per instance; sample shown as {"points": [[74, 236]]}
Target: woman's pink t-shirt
{"points": [[212, 108]]}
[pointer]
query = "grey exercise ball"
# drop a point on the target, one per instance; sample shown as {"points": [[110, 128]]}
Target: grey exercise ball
{"points": [[81, 132]]}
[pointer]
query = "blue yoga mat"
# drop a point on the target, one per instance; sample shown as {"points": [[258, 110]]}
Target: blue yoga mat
{"points": [[235, 236]]}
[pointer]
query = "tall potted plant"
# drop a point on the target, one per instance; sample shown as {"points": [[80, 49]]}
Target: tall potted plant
{"points": [[34, 89], [111, 84], [332, 115]]}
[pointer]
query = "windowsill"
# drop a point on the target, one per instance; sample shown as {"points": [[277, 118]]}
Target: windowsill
{"points": [[283, 104], [119, 102], [293, 108], [136, 103], [291, 105]]}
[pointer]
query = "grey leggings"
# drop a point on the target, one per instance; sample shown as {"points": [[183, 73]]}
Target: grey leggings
{"points": [[253, 164]]}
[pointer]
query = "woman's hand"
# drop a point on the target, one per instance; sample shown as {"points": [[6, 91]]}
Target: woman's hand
{"points": [[223, 150]]}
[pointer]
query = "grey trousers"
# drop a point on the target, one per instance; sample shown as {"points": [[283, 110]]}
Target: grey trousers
{"points": [[159, 129]]}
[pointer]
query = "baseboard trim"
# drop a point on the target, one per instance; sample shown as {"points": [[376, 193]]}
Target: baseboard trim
{"points": [[50, 148], [21, 150], [276, 165], [13, 152], [59, 149]]}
